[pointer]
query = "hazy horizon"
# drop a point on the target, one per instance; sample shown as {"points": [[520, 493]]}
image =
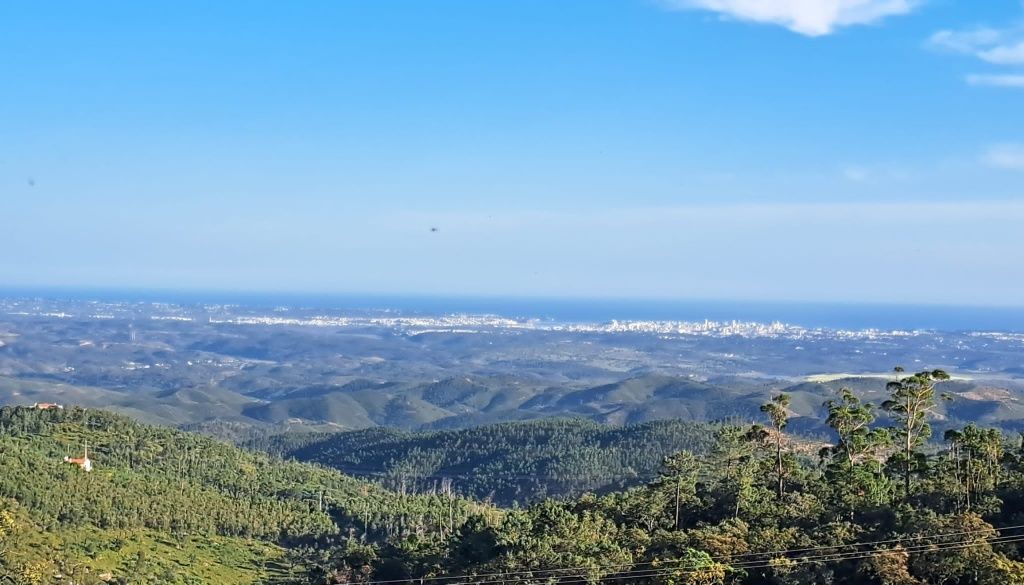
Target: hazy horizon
{"points": [[830, 315], [54, 291]]}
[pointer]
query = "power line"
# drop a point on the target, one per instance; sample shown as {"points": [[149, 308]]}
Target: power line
{"points": [[534, 573], [766, 564], [391, 473], [761, 564]]}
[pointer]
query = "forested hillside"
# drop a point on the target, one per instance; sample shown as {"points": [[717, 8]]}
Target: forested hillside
{"points": [[153, 480], [884, 503], [510, 463], [880, 505]]}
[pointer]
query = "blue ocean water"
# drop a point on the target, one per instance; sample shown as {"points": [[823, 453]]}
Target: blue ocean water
{"points": [[808, 314]]}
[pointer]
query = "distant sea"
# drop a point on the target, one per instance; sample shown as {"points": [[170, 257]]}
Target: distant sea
{"points": [[807, 314]]}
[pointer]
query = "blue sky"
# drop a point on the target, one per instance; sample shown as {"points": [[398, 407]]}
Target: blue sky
{"points": [[830, 150]]}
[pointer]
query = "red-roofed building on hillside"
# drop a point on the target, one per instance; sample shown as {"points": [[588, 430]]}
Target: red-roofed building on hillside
{"points": [[84, 462], [48, 406]]}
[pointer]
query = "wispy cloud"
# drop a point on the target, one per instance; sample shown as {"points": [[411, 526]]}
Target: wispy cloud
{"points": [[997, 80], [807, 17], [1005, 156], [995, 46], [878, 173], [856, 174]]}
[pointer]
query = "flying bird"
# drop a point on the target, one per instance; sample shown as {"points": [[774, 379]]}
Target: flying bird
{"points": [[434, 229]]}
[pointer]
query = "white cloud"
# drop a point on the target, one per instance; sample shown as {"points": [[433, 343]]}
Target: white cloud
{"points": [[1005, 156], [1004, 47], [996, 46], [998, 80], [966, 41], [1007, 54], [807, 17]]}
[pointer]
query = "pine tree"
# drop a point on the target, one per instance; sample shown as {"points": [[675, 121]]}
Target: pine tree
{"points": [[778, 414], [912, 402]]}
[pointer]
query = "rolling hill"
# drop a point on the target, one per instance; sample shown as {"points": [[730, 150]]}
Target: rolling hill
{"points": [[230, 516], [509, 463], [209, 365]]}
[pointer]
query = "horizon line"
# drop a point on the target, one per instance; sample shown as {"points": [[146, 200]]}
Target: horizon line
{"points": [[43, 291]]}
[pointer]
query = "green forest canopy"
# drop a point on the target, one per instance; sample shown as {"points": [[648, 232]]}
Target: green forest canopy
{"points": [[878, 505]]}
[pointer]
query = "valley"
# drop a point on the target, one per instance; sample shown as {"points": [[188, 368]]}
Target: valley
{"points": [[311, 369]]}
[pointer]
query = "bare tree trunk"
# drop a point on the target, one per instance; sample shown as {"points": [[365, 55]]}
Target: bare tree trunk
{"points": [[778, 460], [677, 504]]}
